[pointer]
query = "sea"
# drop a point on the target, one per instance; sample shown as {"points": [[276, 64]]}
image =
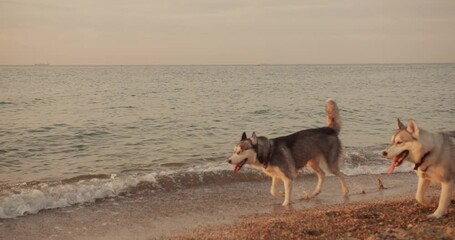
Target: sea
{"points": [[76, 134]]}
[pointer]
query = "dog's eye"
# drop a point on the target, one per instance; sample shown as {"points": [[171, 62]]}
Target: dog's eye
{"points": [[399, 142]]}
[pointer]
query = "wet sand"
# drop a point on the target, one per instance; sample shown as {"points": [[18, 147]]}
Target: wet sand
{"points": [[213, 210]]}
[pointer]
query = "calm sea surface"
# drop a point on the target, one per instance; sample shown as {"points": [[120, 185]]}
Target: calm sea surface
{"points": [[79, 133]]}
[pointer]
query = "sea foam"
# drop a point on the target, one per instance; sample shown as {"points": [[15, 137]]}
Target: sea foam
{"points": [[47, 196]]}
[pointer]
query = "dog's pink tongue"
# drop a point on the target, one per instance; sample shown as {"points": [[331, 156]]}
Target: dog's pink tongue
{"points": [[236, 169], [394, 164], [391, 168]]}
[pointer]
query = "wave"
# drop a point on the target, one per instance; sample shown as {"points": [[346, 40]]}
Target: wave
{"points": [[32, 197]]}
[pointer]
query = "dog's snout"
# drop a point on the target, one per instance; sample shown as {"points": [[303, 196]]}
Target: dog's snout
{"points": [[229, 161], [384, 153]]}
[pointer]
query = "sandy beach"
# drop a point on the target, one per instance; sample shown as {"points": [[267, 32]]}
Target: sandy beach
{"points": [[395, 218], [245, 210]]}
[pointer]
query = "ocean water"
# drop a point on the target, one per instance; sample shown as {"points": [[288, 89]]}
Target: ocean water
{"points": [[74, 134]]}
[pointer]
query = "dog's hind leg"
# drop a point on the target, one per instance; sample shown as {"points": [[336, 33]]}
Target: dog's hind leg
{"points": [[333, 164], [273, 190], [320, 173], [444, 200], [340, 176], [421, 189], [287, 190]]}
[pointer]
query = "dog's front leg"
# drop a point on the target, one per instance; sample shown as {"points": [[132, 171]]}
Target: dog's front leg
{"points": [[444, 200], [421, 189], [287, 191], [273, 189]]}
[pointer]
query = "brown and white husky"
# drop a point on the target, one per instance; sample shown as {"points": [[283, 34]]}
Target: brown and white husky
{"points": [[433, 155]]}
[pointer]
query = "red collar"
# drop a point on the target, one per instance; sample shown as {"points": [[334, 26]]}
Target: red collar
{"points": [[421, 162]]}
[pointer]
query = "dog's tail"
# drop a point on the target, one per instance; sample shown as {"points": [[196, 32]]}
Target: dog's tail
{"points": [[333, 115]]}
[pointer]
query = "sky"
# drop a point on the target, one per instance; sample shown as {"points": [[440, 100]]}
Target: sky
{"points": [[193, 32]]}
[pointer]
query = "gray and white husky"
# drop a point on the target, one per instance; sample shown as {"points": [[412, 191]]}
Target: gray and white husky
{"points": [[282, 157], [433, 155]]}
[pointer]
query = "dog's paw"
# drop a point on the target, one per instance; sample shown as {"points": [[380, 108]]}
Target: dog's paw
{"points": [[438, 213], [305, 196], [423, 201], [310, 196], [286, 203], [314, 194], [276, 193], [435, 215]]}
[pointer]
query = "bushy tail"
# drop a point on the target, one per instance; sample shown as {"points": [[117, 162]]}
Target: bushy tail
{"points": [[333, 115]]}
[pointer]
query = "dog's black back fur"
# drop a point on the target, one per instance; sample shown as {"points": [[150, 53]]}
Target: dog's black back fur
{"points": [[296, 149]]}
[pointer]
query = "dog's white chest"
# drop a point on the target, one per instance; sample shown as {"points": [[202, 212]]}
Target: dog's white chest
{"points": [[273, 171], [431, 174]]}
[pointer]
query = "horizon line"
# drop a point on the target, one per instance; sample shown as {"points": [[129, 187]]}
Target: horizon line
{"points": [[231, 64]]}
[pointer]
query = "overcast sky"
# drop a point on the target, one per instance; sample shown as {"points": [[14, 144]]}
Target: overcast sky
{"points": [[143, 32]]}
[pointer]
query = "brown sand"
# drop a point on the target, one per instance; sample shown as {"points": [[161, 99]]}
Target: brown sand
{"points": [[245, 210], [397, 218]]}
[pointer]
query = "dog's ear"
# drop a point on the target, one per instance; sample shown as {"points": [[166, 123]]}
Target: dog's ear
{"points": [[413, 128], [400, 125], [254, 139], [243, 137]]}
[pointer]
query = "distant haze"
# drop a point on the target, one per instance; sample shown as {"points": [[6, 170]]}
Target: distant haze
{"points": [[149, 32]]}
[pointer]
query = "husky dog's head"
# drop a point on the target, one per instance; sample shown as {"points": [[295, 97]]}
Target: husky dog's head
{"points": [[405, 145], [244, 152]]}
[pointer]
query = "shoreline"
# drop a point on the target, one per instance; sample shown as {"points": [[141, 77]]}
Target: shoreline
{"points": [[183, 213]]}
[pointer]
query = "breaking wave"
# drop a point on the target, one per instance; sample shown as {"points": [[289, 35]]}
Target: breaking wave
{"points": [[32, 197]]}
